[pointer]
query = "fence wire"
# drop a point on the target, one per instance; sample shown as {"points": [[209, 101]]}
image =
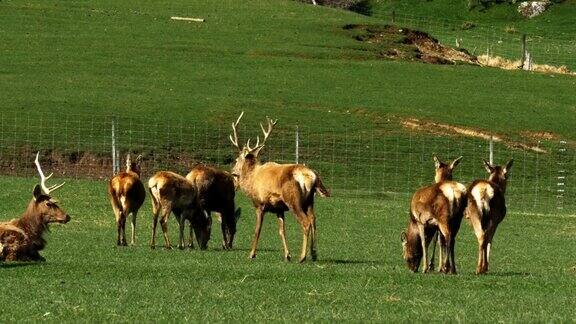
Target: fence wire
{"points": [[387, 163]]}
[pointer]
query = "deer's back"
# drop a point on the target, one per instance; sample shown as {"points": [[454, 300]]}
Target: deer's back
{"points": [[215, 188], [439, 202], [271, 181], [169, 187]]}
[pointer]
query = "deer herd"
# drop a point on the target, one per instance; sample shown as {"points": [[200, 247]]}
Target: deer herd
{"points": [[436, 210]]}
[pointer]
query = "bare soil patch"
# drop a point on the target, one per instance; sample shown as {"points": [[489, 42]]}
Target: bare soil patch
{"points": [[451, 130]]}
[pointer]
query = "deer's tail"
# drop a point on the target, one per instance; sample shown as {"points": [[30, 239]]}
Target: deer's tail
{"points": [[320, 188], [114, 199]]}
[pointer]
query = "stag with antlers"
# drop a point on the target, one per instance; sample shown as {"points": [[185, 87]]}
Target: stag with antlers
{"points": [[127, 195], [22, 239], [277, 188]]}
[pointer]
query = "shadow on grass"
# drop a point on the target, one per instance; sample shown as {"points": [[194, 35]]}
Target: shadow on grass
{"points": [[343, 261], [4, 265], [508, 274]]}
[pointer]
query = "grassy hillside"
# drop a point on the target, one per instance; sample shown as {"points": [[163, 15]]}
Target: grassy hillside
{"points": [[280, 58]]}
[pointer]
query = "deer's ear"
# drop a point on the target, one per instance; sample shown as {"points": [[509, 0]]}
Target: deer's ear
{"points": [[403, 237], [139, 158], [489, 168], [455, 163], [37, 192], [508, 166], [437, 161]]}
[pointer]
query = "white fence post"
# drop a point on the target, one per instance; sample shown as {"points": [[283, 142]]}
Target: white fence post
{"points": [[297, 143], [115, 166], [491, 150]]}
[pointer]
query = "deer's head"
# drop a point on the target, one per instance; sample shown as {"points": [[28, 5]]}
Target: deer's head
{"points": [[411, 247], [133, 166], [443, 170], [498, 174], [248, 156], [42, 204]]}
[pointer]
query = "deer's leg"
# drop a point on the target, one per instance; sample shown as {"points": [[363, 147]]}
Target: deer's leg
{"points": [[259, 218], [119, 215], [313, 237], [305, 223], [447, 262], [488, 236], [282, 232], [155, 214], [191, 238], [181, 225], [133, 224], [479, 232], [122, 230], [422, 233], [433, 241], [164, 223]]}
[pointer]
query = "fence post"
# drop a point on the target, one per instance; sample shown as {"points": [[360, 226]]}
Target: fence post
{"points": [[561, 183], [393, 16], [115, 166], [297, 143], [491, 157], [523, 41]]}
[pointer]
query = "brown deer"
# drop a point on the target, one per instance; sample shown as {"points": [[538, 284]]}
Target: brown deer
{"points": [[487, 208], [173, 193], [22, 239], [127, 195], [216, 191], [435, 208], [277, 188]]}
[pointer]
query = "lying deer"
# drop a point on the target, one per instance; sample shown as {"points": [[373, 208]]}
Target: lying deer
{"points": [[216, 191], [172, 193], [438, 207], [22, 239], [277, 188], [487, 208], [127, 195]]}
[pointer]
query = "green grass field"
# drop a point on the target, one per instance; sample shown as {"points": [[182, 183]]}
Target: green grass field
{"points": [[360, 274], [67, 66]]}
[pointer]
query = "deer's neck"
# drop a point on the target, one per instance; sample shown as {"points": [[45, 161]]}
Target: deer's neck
{"points": [[499, 182], [32, 221]]}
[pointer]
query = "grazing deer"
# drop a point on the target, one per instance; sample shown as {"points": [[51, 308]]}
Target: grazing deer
{"points": [[22, 239], [127, 195], [171, 192], [438, 207], [277, 188], [216, 191], [487, 208]]}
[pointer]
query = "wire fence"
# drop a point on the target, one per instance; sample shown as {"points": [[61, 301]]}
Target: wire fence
{"points": [[481, 39], [388, 163]]}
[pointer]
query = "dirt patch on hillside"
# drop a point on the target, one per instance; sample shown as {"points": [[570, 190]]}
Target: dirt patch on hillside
{"points": [[404, 43], [450, 130], [395, 42], [540, 136]]}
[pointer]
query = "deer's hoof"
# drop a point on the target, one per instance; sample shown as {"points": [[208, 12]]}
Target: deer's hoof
{"points": [[287, 258], [302, 259], [314, 256]]}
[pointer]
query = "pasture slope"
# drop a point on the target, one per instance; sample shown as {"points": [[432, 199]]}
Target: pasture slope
{"points": [[293, 62]]}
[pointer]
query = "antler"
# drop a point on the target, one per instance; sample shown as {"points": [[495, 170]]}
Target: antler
{"points": [[271, 124], [43, 178], [235, 132]]}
